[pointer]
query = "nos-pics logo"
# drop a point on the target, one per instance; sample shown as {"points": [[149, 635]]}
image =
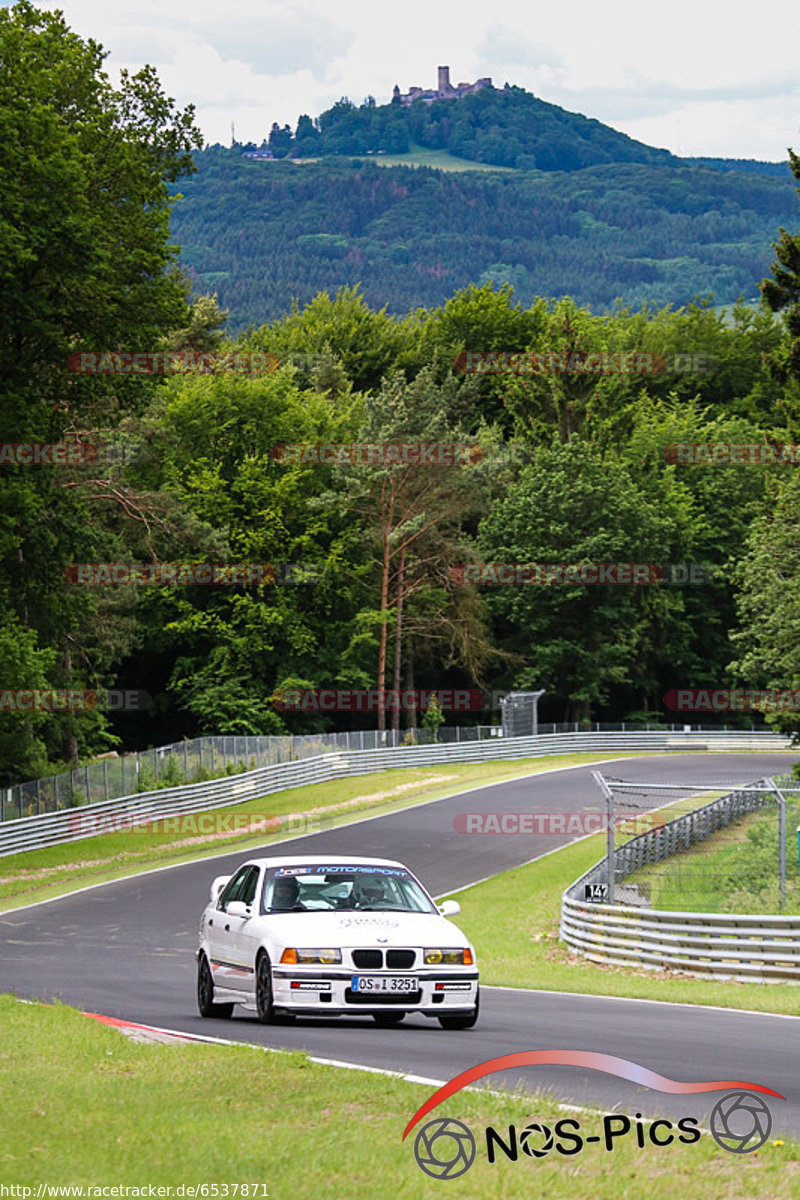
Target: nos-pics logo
{"points": [[446, 1148]]}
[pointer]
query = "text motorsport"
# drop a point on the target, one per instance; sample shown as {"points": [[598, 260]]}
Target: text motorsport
{"points": [[446, 1148]]}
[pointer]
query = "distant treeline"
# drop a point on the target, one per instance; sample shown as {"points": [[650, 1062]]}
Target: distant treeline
{"points": [[262, 233]]}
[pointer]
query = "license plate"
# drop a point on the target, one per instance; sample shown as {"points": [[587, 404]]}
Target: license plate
{"points": [[384, 983]]}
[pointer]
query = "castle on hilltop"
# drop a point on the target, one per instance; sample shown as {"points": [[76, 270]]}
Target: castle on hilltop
{"points": [[445, 90]]}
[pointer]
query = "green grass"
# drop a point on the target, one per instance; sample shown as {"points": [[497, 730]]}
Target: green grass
{"points": [[735, 870], [116, 1112], [422, 156], [56, 870], [513, 920]]}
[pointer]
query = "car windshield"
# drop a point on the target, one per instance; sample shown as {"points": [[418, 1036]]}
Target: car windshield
{"points": [[345, 888]]}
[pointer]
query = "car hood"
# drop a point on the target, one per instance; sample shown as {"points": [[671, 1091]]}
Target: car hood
{"points": [[364, 929]]}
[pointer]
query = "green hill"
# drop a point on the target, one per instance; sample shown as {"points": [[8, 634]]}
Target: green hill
{"points": [[262, 233], [504, 128]]}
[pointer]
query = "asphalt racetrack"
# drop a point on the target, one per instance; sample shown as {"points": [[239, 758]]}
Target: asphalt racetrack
{"points": [[126, 950]]}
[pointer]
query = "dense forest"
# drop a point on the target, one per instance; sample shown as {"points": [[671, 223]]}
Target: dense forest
{"points": [[571, 465], [262, 234]]}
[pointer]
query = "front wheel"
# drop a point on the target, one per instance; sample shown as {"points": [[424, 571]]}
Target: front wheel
{"points": [[462, 1020], [205, 993], [264, 1005]]}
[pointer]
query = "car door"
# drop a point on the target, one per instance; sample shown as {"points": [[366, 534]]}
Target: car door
{"points": [[228, 969], [246, 937]]}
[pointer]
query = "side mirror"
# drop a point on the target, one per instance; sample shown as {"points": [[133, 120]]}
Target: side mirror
{"points": [[237, 909], [217, 886], [449, 908]]}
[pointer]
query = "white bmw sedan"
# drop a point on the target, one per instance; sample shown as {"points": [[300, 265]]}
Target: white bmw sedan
{"points": [[323, 936]]}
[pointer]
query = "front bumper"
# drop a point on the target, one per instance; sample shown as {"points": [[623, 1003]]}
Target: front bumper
{"points": [[331, 991]]}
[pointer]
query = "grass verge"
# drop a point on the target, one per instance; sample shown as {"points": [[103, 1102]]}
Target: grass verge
{"points": [[57, 870], [513, 920], [735, 870], [116, 1112]]}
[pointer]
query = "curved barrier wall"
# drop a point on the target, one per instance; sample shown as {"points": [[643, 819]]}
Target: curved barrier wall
{"points": [[70, 823]]}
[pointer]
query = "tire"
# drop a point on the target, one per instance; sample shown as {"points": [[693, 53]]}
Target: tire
{"points": [[205, 993], [264, 1005], [463, 1020], [387, 1019]]}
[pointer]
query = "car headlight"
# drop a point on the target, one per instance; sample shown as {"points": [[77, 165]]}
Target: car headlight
{"points": [[448, 956], [314, 955]]}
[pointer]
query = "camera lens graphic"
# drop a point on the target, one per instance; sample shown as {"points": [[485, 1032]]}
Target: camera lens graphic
{"points": [[444, 1148], [740, 1122], [533, 1133]]}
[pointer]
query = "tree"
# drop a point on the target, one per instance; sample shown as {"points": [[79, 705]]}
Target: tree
{"points": [[575, 506], [85, 265], [768, 604], [410, 510], [782, 292]]}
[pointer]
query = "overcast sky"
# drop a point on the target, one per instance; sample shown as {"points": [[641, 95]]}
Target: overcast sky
{"points": [[694, 76]]}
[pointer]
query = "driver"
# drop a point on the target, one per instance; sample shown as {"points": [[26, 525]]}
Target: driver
{"points": [[370, 891], [285, 893]]}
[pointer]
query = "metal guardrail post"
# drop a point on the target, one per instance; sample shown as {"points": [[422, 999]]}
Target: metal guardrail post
{"points": [[781, 838], [609, 797]]}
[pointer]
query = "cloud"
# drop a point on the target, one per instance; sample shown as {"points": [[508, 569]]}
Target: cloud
{"points": [[505, 46]]}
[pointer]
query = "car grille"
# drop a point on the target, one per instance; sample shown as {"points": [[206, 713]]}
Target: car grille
{"points": [[368, 959], [401, 960], [378, 998], [372, 960]]}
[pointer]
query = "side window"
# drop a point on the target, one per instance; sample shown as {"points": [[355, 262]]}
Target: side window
{"points": [[232, 891], [248, 893]]}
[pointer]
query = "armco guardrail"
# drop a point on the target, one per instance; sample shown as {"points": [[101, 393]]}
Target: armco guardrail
{"points": [[715, 944], [720, 945], [70, 824], [200, 759]]}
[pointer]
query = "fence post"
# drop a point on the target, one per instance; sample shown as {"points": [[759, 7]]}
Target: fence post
{"points": [[606, 790], [39, 796], [185, 762], [105, 777], [86, 780], [124, 791], [781, 839]]}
